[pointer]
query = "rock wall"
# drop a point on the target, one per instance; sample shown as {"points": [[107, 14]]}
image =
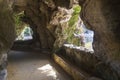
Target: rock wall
{"points": [[7, 36], [102, 16], [38, 14], [89, 63]]}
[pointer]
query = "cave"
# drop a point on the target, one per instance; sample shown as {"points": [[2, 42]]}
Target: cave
{"points": [[59, 40]]}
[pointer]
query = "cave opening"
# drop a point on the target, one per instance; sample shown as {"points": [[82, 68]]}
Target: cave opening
{"points": [[27, 37], [71, 31], [80, 37], [23, 30], [26, 34], [59, 31]]}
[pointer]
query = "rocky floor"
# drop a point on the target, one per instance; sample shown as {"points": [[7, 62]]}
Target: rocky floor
{"points": [[33, 66]]}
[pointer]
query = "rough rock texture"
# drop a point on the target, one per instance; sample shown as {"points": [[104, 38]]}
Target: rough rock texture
{"points": [[90, 63], [60, 20], [7, 35], [38, 14], [103, 18]]}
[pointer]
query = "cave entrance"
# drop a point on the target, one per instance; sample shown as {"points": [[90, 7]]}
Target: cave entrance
{"points": [[26, 34], [80, 38], [85, 37], [23, 30]]}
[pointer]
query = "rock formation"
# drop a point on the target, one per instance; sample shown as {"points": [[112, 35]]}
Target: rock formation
{"points": [[46, 18], [7, 36], [103, 18]]}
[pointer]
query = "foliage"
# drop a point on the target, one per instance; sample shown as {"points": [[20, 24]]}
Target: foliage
{"points": [[75, 15], [72, 23], [18, 23], [73, 20], [76, 9]]}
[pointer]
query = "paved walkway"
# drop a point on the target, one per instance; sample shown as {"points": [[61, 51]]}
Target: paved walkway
{"points": [[33, 66]]}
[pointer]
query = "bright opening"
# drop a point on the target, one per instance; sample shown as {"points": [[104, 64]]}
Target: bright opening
{"points": [[23, 31], [26, 34], [74, 33]]}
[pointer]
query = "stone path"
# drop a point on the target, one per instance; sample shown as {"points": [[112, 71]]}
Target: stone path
{"points": [[33, 66]]}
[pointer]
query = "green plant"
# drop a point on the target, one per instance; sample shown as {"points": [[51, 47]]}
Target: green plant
{"points": [[72, 26], [19, 25]]}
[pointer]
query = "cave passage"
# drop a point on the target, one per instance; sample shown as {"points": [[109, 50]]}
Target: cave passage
{"points": [[33, 65], [59, 39]]}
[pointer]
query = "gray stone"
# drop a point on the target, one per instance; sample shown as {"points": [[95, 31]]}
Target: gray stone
{"points": [[3, 74]]}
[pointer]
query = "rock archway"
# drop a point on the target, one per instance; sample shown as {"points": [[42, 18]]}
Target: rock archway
{"points": [[98, 15]]}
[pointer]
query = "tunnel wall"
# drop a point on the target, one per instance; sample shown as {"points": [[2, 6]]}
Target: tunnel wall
{"points": [[98, 15], [88, 62], [7, 36], [101, 16], [38, 14]]}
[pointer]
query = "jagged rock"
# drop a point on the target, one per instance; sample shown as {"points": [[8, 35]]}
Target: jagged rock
{"points": [[98, 15], [101, 16], [7, 36]]}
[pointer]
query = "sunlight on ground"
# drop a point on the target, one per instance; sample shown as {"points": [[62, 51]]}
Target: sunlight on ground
{"points": [[49, 71]]}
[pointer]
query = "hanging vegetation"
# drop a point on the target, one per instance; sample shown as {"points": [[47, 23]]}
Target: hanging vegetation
{"points": [[72, 26], [18, 22]]}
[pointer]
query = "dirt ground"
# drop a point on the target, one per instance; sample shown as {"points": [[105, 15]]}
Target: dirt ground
{"points": [[33, 66]]}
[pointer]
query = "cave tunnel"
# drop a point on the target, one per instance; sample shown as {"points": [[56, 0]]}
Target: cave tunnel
{"points": [[59, 40]]}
